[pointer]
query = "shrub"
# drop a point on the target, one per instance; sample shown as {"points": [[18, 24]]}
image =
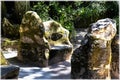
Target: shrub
{"points": [[76, 13]]}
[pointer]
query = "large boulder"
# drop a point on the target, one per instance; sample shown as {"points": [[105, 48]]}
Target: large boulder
{"points": [[93, 58], [34, 47], [58, 38]]}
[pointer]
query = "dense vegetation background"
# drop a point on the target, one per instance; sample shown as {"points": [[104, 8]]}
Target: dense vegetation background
{"points": [[71, 14]]}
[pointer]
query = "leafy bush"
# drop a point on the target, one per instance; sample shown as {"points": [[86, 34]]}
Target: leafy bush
{"points": [[76, 13], [42, 9]]}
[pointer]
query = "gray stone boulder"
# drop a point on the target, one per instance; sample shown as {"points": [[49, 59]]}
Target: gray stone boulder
{"points": [[93, 58]]}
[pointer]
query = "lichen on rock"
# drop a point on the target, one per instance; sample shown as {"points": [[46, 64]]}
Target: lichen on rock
{"points": [[10, 30], [3, 61], [33, 44], [56, 34], [93, 58], [8, 43], [58, 38]]}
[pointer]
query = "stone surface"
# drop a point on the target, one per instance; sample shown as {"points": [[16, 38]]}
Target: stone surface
{"points": [[10, 30], [58, 38], [9, 72], [34, 47], [7, 43], [115, 57], [56, 34], [3, 61], [92, 59]]}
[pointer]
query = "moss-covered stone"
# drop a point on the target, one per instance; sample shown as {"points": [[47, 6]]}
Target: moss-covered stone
{"points": [[3, 61], [33, 45], [58, 38], [10, 30], [8, 43], [92, 60], [56, 34]]}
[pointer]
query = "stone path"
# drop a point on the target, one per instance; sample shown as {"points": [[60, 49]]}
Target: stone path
{"points": [[57, 71]]}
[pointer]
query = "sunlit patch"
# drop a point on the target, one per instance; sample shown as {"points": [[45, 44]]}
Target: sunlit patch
{"points": [[107, 66], [103, 29], [60, 33]]}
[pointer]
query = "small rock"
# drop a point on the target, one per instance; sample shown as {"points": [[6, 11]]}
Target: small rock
{"points": [[9, 71]]}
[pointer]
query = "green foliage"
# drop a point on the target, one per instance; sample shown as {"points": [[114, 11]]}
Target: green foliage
{"points": [[42, 9], [76, 13]]}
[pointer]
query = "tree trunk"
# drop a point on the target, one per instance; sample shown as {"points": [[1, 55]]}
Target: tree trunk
{"points": [[20, 8]]}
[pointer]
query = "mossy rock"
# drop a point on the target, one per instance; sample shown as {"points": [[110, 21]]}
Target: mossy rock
{"points": [[8, 43], [33, 45], [58, 39], [10, 30], [93, 58], [3, 61], [56, 34]]}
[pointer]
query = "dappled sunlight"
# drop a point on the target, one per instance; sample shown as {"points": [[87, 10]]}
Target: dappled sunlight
{"points": [[51, 72]]}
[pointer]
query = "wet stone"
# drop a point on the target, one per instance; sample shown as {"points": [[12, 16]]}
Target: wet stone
{"points": [[93, 58]]}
